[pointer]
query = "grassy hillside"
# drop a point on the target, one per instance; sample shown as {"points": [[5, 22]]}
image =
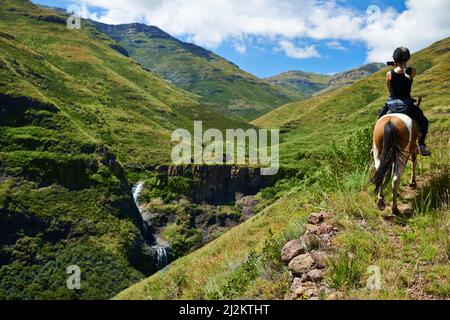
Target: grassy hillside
{"points": [[73, 113], [412, 251], [344, 79], [107, 94], [214, 79], [343, 111]]}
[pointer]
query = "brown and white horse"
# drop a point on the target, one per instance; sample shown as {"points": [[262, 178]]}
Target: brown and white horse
{"points": [[394, 140]]}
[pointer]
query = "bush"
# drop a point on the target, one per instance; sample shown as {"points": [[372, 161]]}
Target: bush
{"points": [[354, 155], [169, 189], [237, 281]]}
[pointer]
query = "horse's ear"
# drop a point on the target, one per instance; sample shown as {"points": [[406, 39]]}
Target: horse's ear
{"points": [[419, 101]]}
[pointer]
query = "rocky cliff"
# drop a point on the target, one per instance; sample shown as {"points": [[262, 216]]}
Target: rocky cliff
{"points": [[218, 184]]}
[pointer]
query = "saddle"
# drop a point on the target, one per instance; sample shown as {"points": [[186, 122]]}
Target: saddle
{"points": [[399, 105]]}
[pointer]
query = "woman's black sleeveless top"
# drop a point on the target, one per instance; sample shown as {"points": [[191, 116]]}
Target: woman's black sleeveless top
{"points": [[401, 85]]}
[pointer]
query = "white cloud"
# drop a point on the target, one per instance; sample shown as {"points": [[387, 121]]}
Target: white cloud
{"points": [[336, 45], [420, 25], [241, 48], [298, 53], [210, 23]]}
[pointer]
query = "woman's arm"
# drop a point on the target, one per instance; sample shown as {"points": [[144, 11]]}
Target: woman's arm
{"points": [[388, 82], [413, 73]]}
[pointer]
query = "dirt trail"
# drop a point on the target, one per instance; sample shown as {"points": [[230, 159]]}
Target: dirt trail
{"points": [[407, 196]]}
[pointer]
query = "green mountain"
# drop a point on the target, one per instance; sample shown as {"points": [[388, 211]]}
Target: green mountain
{"points": [[411, 250], [77, 117], [344, 79], [304, 82], [348, 108], [309, 84], [216, 80]]}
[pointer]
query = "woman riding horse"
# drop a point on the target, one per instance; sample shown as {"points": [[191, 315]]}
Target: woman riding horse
{"points": [[399, 83], [395, 134]]}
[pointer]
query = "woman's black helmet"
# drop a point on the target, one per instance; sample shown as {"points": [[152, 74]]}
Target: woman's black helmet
{"points": [[401, 54]]}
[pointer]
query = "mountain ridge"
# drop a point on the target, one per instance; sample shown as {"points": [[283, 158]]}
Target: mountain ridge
{"points": [[310, 83], [216, 80]]}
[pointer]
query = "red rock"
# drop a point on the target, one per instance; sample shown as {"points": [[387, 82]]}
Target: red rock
{"points": [[318, 217], [324, 228]]}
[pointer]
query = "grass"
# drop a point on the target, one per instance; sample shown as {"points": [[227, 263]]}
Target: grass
{"points": [[411, 251], [76, 125], [219, 257], [412, 255], [74, 113]]}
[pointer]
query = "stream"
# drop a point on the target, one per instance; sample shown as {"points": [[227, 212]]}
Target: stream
{"points": [[160, 245]]}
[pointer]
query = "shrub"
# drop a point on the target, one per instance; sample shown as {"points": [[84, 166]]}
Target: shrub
{"points": [[353, 155], [345, 272]]}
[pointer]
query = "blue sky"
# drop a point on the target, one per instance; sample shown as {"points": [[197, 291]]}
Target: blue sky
{"points": [[273, 36]]}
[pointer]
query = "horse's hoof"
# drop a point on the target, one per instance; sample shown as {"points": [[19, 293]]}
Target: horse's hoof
{"points": [[395, 211], [381, 204], [413, 184]]}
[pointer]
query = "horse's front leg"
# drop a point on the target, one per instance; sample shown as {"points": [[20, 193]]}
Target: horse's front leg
{"points": [[412, 182]]}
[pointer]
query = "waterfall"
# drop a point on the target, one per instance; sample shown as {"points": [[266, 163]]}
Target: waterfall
{"points": [[137, 189], [161, 250], [161, 257]]}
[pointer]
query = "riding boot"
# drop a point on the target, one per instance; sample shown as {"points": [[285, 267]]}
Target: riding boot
{"points": [[423, 150]]}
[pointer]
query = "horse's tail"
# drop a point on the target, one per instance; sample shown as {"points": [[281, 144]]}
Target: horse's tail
{"points": [[389, 155]]}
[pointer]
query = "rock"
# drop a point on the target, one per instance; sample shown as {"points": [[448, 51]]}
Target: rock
{"points": [[318, 217], [325, 240], [311, 241], [314, 275], [335, 295], [305, 290], [301, 264], [246, 203], [319, 258], [311, 228], [297, 282], [324, 228], [291, 250]]}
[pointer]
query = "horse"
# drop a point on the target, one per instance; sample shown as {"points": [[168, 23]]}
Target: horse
{"points": [[394, 141]]}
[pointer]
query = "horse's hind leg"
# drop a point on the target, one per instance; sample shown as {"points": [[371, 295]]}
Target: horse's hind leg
{"points": [[380, 201], [395, 186], [381, 204]]}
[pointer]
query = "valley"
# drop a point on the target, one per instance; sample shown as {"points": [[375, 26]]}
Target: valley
{"points": [[86, 179]]}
